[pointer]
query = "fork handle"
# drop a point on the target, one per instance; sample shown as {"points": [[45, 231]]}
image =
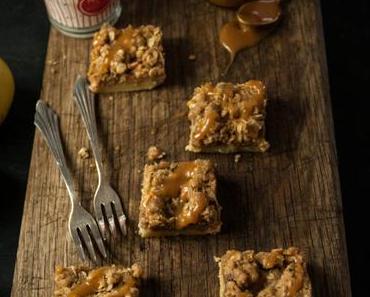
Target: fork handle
{"points": [[86, 104], [46, 120]]}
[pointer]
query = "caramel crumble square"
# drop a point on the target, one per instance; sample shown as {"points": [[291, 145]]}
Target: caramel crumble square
{"points": [[104, 281], [179, 198], [128, 59], [228, 118], [278, 273]]}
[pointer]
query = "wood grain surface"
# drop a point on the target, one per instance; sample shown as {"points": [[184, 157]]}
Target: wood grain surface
{"points": [[287, 196]]}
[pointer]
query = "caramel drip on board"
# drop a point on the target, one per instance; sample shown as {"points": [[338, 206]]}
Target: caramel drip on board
{"points": [[91, 285], [250, 26], [235, 37]]}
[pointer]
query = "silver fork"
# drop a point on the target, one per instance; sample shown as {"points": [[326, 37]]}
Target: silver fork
{"points": [[81, 225], [107, 204]]}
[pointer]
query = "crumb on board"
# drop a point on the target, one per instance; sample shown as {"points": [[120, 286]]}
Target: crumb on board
{"points": [[52, 62], [155, 153], [84, 153], [110, 98], [92, 165], [237, 158], [192, 57], [117, 148]]}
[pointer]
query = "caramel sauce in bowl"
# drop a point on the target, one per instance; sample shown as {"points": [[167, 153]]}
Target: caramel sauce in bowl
{"points": [[259, 13]]}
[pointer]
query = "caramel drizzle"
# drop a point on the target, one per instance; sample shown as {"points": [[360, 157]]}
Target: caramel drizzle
{"points": [[297, 281], [192, 203], [243, 110], [197, 200], [123, 41], [91, 285], [210, 120]]}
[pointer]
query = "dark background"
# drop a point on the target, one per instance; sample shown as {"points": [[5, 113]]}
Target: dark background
{"points": [[23, 39]]}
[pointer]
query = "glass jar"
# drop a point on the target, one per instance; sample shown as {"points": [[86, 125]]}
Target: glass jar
{"points": [[81, 18]]}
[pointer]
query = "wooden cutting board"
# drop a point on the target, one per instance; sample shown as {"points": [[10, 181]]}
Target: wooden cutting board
{"points": [[287, 196]]}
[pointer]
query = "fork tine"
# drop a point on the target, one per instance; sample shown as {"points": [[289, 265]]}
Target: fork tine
{"points": [[99, 215], [110, 217], [121, 217], [95, 233], [85, 237], [77, 241]]}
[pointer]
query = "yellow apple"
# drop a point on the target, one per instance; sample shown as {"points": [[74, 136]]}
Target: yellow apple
{"points": [[6, 89]]}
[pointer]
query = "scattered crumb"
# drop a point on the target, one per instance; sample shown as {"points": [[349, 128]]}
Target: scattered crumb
{"points": [[92, 165], [52, 62], [192, 57], [53, 70], [117, 148], [110, 98], [237, 158], [155, 153], [64, 57], [152, 132], [84, 153], [139, 171]]}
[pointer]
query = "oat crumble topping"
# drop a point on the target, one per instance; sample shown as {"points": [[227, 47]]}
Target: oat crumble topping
{"points": [[278, 273], [84, 153], [100, 282], [237, 158], [179, 196], [192, 57], [228, 118], [155, 153], [124, 55]]}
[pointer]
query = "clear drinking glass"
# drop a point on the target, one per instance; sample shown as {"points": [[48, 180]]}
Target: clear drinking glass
{"points": [[81, 18]]}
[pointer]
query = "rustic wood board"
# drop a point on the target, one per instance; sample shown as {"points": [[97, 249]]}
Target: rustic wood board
{"points": [[288, 196]]}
